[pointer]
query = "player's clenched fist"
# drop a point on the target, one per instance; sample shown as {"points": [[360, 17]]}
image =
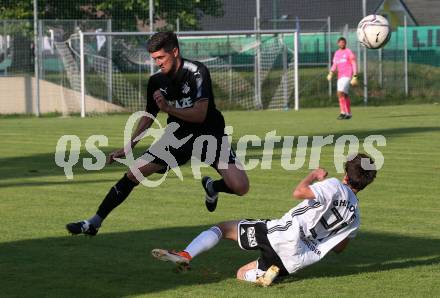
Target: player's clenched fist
{"points": [[320, 174], [161, 101]]}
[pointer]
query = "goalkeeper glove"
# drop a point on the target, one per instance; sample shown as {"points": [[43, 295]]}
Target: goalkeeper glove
{"points": [[354, 81], [330, 76]]}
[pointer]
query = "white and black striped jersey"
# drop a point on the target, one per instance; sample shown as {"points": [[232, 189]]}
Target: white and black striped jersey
{"points": [[309, 231]]}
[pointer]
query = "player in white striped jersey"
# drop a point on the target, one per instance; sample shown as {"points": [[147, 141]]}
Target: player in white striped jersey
{"points": [[326, 219]]}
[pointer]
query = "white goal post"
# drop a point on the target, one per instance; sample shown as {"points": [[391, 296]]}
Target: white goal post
{"points": [[274, 66]]}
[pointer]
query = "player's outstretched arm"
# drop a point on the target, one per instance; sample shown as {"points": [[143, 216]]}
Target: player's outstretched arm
{"points": [[144, 123], [303, 191]]}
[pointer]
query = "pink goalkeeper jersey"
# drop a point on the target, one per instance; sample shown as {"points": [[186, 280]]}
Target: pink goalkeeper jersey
{"points": [[345, 61]]}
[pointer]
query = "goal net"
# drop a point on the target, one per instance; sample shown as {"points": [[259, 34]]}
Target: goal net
{"points": [[248, 70]]}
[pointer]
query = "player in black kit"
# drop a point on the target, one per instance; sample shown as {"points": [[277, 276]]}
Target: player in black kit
{"points": [[182, 89]]}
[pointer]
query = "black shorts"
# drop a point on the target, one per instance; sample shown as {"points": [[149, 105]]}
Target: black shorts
{"points": [[210, 154], [252, 235]]}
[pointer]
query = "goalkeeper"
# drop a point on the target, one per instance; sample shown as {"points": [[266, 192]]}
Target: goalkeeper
{"points": [[344, 62]]}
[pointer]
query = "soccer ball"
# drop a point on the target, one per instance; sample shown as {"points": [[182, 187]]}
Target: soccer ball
{"points": [[374, 31]]}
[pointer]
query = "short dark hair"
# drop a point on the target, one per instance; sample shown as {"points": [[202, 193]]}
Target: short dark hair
{"points": [[360, 173], [342, 38], [162, 40]]}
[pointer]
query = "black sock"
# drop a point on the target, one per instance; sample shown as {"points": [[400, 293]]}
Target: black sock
{"points": [[117, 194], [220, 186]]}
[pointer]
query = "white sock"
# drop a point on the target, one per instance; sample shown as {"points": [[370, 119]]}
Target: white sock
{"points": [[253, 274], [205, 241]]}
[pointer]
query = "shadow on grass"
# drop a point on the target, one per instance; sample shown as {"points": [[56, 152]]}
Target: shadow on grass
{"points": [[402, 116], [63, 182], [119, 264], [374, 252]]}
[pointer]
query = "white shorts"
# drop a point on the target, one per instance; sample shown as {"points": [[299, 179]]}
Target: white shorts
{"points": [[344, 84]]}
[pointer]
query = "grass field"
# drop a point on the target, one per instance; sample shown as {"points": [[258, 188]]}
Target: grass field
{"points": [[396, 253]]}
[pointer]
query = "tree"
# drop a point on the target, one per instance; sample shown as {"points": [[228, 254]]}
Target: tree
{"points": [[126, 15]]}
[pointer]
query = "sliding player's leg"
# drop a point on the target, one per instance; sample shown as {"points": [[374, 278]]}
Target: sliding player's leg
{"points": [[253, 272], [253, 235], [203, 242], [250, 272], [116, 195], [250, 235]]}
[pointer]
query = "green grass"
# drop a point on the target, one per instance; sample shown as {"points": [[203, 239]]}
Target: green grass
{"points": [[396, 252]]}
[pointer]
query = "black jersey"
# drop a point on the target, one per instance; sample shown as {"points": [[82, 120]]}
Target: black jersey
{"points": [[191, 83]]}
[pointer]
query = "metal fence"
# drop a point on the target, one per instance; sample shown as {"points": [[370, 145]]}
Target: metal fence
{"points": [[401, 72], [249, 69]]}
